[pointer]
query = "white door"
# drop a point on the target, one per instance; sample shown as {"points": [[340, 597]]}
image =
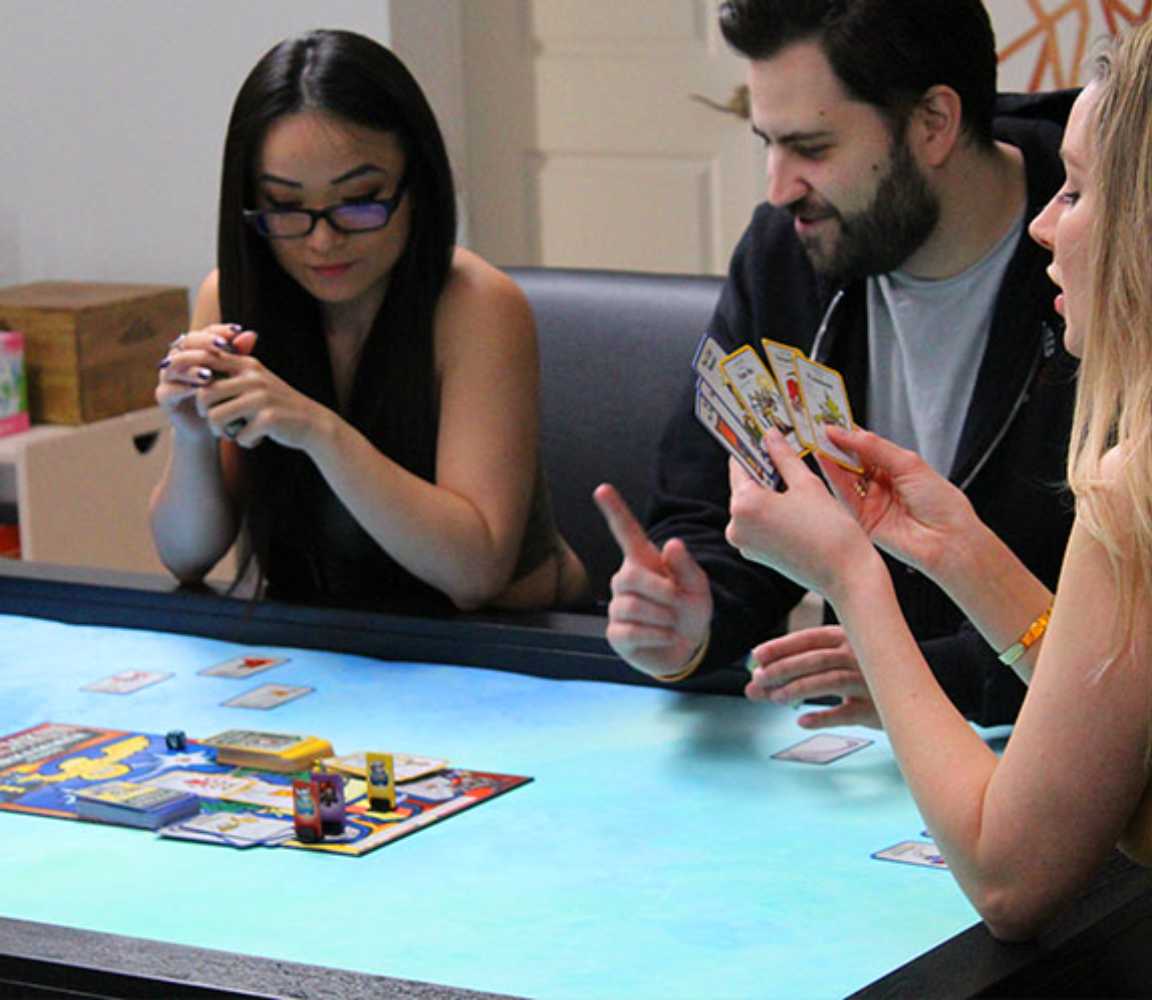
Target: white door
{"points": [[586, 145]]}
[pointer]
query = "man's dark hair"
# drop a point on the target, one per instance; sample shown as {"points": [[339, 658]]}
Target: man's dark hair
{"points": [[886, 53]]}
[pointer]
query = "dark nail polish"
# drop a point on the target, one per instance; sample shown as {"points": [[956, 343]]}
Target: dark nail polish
{"points": [[204, 374], [223, 344], [235, 326], [165, 363]]}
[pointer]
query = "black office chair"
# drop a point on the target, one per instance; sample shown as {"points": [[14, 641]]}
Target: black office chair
{"points": [[615, 352]]}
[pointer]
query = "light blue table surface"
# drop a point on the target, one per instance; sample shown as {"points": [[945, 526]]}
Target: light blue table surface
{"points": [[659, 852]]}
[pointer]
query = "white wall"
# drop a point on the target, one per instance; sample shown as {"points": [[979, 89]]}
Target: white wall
{"points": [[428, 35], [112, 119]]}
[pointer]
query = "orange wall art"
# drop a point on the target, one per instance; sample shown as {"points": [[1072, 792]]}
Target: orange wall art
{"points": [[1048, 44]]}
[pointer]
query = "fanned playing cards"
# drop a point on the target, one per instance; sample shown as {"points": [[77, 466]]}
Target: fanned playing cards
{"points": [[739, 397]]}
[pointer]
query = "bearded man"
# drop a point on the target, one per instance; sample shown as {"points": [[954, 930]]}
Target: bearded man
{"points": [[892, 247]]}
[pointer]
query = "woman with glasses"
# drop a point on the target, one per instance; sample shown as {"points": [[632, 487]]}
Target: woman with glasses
{"points": [[1022, 833], [357, 394]]}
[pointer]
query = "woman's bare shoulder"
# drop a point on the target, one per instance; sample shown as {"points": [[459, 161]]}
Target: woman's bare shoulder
{"points": [[478, 294], [472, 276]]}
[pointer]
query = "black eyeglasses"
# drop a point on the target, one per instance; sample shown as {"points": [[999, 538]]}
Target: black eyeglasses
{"points": [[348, 218]]}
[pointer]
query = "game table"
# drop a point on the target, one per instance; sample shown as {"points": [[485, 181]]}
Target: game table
{"points": [[660, 851]]}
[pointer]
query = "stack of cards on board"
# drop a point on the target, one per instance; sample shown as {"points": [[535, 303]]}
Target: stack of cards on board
{"points": [[282, 753], [738, 398], [234, 829], [129, 803]]}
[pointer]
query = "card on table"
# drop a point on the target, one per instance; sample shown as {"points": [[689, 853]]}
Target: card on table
{"points": [[757, 391], [823, 748], [126, 682], [243, 666], [406, 766], [913, 852], [205, 785], [727, 429], [268, 696], [231, 828], [826, 400]]}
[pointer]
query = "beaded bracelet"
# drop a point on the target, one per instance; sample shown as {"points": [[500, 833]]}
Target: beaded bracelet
{"points": [[1031, 634]]}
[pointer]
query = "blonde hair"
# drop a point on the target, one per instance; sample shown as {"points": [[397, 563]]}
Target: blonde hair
{"points": [[1114, 394]]}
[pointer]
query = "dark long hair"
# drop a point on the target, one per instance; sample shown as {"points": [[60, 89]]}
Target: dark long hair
{"points": [[393, 399], [887, 53]]}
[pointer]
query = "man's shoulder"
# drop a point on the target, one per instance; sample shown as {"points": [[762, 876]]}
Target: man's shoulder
{"points": [[1053, 107], [1034, 123]]}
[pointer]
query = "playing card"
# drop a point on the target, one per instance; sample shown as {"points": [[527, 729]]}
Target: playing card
{"points": [[267, 696], [234, 829], [913, 852], [725, 427], [405, 766], [126, 682], [243, 666], [706, 363], [202, 784], [782, 360], [822, 748], [756, 389], [827, 403]]}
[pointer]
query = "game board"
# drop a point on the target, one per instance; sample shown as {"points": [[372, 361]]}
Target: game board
{"points": [[42, 769]]}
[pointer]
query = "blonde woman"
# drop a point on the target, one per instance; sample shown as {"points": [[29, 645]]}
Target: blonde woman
{"points": [[1022, 833]]}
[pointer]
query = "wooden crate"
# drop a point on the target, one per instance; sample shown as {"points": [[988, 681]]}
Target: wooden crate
{"points": [[91, 349]]}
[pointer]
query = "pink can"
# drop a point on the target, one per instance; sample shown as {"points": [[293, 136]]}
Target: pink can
{"points": [[13, 384]]}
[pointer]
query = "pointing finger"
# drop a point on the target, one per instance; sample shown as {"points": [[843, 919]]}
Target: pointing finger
{"points": [[627, 531]]}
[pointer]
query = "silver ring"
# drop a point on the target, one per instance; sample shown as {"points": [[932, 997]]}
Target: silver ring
{"points": [[234, 427]]}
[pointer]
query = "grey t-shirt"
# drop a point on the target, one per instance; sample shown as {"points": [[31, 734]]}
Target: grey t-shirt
{"points": [[926, 339]]}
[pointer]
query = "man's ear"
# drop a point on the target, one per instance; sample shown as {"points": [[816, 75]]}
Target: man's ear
{"points": [[935, 125]]}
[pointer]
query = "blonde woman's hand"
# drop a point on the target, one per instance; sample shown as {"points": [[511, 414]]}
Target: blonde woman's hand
{"points": [[908, 509], [803, 532]]}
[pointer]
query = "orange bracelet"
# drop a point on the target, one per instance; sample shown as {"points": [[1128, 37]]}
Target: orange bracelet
{"points": [[1031, 635]]}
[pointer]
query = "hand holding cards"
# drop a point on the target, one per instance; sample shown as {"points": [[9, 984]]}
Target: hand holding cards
{"points": [[738, 398]]}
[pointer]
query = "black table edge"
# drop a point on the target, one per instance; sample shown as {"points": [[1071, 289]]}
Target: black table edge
{"points": [[1085, 953], [44, 960], [562, 645]]}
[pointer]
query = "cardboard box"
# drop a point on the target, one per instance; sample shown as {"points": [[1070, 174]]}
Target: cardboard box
{"points": [[91, 350]]}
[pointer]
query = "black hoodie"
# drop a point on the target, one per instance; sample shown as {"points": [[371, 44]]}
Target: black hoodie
{"points": [[1013, 446]]}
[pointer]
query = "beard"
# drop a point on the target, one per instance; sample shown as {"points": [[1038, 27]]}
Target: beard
{"points": [[901, 216]]}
